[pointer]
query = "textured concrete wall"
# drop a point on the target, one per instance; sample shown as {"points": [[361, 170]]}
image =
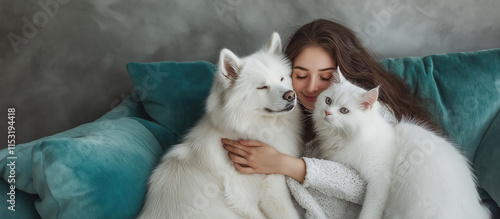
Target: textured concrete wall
{"points": [[62, 62]]}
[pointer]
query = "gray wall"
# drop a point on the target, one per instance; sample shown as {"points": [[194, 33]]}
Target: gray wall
{"points": [[64, 65]]}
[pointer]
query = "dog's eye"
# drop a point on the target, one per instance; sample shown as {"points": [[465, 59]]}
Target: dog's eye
{"points": [[263, 87], [328, 100], [282, 79], [344, 110]]}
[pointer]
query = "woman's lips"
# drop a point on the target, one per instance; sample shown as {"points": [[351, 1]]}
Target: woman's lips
{"points": [[311, 98]]}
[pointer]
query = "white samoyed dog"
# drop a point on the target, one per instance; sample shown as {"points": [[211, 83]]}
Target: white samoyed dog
{"points": [[251, 98]]}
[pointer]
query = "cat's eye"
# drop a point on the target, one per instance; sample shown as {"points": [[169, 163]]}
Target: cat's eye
{"points": [[328, 100], [344, 110], [263, 87]]}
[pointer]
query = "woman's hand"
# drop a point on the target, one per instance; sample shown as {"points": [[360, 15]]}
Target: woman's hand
{"points": [[251, 156]]}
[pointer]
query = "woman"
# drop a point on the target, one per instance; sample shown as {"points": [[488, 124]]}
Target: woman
{"points": [[326, 188]]}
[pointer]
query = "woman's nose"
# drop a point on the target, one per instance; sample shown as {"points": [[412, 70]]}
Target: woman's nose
{"points": [[312, 86]]}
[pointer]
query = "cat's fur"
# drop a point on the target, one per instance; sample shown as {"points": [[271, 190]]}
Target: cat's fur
{"points": [[410, 171]]}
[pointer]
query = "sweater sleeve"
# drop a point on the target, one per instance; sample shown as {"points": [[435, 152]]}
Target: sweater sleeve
{"points": [[334, 179]]}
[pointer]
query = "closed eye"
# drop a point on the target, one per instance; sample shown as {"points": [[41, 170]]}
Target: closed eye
{"points": [[263, 87]]}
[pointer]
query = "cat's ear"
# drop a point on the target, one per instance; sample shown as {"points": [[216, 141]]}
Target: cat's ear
{"points": [[229, 64], [337, 76], [369, 98]]}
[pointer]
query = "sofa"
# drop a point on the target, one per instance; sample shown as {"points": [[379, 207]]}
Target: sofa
{"points": [[100, 169]]}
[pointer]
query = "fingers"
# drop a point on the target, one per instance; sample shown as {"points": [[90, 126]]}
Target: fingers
{"points": [[229, 142], [243, 168], [241, 149], [237, 159], [240, 164], [235, 150], [232, 143], [251, 143], [241, 155], [242, 143]]}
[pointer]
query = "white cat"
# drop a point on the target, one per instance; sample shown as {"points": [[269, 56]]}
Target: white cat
{"points": [[410, 171]]}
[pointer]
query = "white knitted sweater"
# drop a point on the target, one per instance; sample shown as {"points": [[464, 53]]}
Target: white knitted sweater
{"points": [[330, 189]]}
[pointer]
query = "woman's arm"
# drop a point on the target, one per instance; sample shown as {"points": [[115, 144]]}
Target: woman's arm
{"points": [[328, 177], [257, 157], [334, 179]]}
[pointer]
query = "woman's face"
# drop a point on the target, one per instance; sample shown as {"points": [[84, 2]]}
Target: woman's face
{"points": [[311, 73]]}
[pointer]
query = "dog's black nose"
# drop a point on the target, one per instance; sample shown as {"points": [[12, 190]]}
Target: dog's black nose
{"points": [[289, 96]]}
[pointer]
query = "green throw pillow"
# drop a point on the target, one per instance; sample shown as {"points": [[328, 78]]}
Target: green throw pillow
{"points": [[173, 93], [462, 91], [23, 203], [96, 170], [100, 173], [487, 162]]}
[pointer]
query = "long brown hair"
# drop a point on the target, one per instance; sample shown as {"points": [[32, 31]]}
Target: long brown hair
{"points": [[359, 66]]}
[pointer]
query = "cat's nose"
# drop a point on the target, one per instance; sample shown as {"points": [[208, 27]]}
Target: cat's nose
{"points": [[289, 96], [327, 113]]}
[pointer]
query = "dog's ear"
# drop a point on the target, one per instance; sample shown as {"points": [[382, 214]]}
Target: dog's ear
{"points": [[229, 64], [274, 44]]}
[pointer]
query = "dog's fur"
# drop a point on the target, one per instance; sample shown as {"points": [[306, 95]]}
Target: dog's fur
{"points": [[196, 179]]}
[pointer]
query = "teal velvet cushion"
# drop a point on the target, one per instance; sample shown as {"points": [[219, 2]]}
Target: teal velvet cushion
{"points": [[462, 91], [24, 170], [487, 160], [173, 93], [100, 172], [96, 170], [24, 203], [132, 107], [25, 194]]}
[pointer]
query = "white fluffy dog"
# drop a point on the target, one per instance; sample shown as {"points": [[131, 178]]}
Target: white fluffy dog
{"points": [[251, 98]]}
